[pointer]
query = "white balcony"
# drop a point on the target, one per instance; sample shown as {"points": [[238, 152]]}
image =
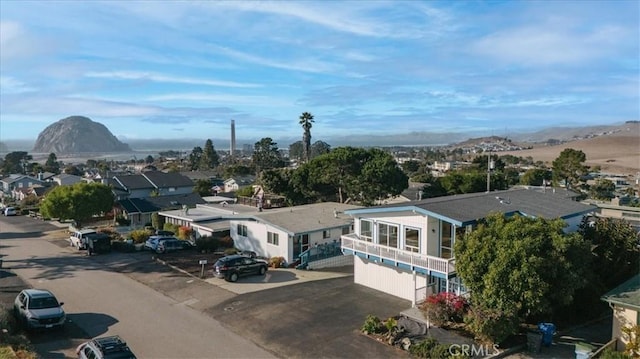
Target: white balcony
{"points": [[441, 267]]}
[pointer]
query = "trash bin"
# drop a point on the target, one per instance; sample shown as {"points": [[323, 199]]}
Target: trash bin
{"points": [[547, 330]]}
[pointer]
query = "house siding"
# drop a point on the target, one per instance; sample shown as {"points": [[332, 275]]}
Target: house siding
{"points": [[256, 239], [387, 279], [623, 317]]}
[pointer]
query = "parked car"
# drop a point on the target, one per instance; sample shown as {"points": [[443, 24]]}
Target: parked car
{"points": [[164, 233], [77, 238], [169, 245], [39, 309], [235, 266], [10, 211], [153, 241], [111, 347]]}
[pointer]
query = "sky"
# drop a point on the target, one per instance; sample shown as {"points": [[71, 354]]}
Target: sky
{"points": [[185, 69]]}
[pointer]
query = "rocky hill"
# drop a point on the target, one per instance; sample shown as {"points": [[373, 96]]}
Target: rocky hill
{"points": [[77, 134]]}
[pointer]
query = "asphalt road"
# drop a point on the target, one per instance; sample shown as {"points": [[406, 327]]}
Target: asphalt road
{"points": [[165, 313], [101, 301]]}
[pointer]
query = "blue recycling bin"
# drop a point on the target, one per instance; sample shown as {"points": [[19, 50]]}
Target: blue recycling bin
{"points": [[547, 330]]}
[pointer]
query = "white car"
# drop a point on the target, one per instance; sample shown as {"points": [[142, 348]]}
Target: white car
{"points": [[10, 211], [77, 238]]}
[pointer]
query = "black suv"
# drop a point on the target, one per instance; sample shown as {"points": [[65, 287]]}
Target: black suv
{"points": [[112, 347], [235, 266]]}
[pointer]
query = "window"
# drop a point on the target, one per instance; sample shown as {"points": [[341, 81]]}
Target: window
{"points": [[242, 230], [172, 189], [346, 230], [412, 240], [272, 238], [89, 353], [366, 231], [326, 234], [388, 235], [446, 243]]}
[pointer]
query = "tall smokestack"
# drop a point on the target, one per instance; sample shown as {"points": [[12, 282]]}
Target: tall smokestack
{"points": [[232, 150]]}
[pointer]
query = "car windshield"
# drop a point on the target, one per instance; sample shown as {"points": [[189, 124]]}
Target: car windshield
{"points": [[42, 303]]}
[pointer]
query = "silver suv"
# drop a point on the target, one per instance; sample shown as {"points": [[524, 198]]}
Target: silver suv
{"points": [[112, 347], [39, 309]]}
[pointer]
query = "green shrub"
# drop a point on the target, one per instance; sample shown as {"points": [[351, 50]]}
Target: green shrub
{"points": [[371, 325], [206, 244], [140, 235], [491, 324], [423, 348], [612, 354], [390, 324], [171, 227], [115, 236]]}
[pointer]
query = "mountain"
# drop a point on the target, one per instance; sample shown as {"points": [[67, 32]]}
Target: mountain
{"points": [[77, 134]]}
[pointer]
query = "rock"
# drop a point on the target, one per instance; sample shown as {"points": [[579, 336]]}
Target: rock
{"points": [[77, 134], [405, 343]]}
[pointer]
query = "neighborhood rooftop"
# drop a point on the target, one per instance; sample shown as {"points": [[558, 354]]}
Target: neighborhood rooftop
{"points": [[468, 208]]}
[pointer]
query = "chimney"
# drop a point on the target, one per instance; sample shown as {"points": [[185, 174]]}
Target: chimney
{"points": [[232, 149]]}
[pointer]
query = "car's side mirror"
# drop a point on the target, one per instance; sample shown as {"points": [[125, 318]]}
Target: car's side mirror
{"points": [[61, 304], [23, 307]]}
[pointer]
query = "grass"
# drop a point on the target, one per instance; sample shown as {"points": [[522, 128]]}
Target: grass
{"points": [[13, 343]]}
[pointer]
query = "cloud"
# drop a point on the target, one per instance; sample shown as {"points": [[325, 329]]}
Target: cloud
{"points": [[155, 77]]}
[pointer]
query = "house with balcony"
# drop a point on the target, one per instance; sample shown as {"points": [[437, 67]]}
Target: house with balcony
{"points": [[407, 249]]}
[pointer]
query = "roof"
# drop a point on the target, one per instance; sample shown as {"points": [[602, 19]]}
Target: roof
{"points": [[131, 182], [156, 204], [163, 180], [469, 208], [626, 294], [309, 217]]}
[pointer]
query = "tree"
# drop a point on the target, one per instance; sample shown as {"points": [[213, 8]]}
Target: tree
{"points": [[203, 187], [603, 189], [209, 159], [148, 160], [520, 265], [195, 158], [79, 202], [410, 167], [16, 162], [363, 175], [266, 155], [296, 151], [535, 177], [72, 170], [306, 120], [569, 166], [319, 148], [52, 165], [615, 248]]}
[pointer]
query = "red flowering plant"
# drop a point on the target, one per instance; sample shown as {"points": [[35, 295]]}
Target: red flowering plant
{"points": [[444, 307]]}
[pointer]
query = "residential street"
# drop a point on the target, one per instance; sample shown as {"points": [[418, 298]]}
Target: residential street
{"points": [[154, 307]]}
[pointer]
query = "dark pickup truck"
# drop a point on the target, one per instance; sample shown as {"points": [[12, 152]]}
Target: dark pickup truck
{"points": [[97, 243]]}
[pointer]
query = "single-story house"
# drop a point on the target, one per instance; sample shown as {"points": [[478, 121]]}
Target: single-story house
{"points": [[625, 302], [140, 210], [407, 249]]}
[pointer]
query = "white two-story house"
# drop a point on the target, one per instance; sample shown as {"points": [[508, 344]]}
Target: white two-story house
{"points": [[407, 249]]}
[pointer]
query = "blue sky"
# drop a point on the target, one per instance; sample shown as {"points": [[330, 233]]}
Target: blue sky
{"points": [[184, 69]]}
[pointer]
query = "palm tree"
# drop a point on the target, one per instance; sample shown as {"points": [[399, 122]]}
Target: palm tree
{"points": [[306, 120]]}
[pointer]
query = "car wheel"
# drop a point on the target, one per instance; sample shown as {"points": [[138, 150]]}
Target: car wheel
{"points": [[262, 270], [233, 277]]}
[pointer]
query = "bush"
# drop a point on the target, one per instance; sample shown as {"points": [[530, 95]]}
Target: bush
{"points": [[13, 338], [206, 244], [423, 348], [371, 325], [491, 324], [226, 242], [277, 262], [444, 307], [171, 227], [140, 235], [115, 236], [184, 232], [612, 354]]}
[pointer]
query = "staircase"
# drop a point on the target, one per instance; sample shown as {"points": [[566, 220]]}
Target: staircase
{"points": [[321, 252]]}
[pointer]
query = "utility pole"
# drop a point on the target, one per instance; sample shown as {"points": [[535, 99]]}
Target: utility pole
{"points": [[489, 172]]}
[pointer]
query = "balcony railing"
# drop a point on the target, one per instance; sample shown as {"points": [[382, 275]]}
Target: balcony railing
{"points": [[414, 260]]}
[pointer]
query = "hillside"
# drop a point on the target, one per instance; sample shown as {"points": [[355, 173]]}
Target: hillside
{"points": [[616, 152], [77, 134]]}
